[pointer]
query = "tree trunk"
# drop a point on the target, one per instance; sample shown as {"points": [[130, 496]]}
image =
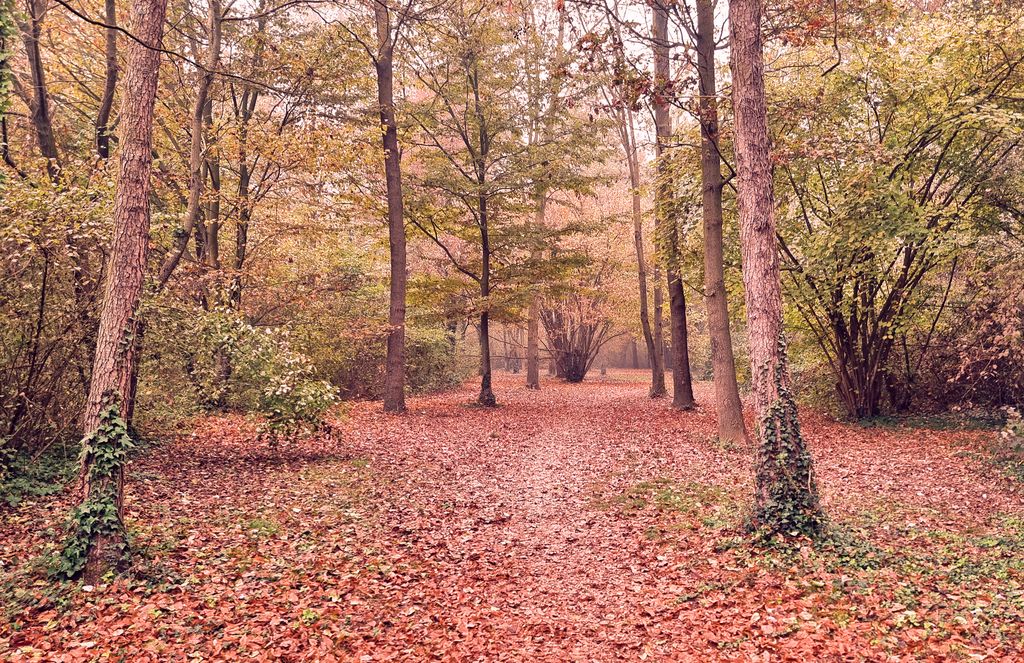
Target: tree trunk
{"points": [[39, 103], [627, 136], [658, 351], [682, 381], [109, 82], [635, 356], [786, 496], [486, 396], [394, 374], [682, 386], [116, 350], [533, 321], [196, 180], [731, 427]]}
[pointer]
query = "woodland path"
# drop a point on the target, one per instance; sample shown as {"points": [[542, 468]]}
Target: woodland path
{"points": [[578, 523]]}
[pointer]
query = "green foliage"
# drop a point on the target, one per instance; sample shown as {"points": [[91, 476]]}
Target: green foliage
{"points": [[209, 359], [787, 495], [891, 168], [292, 400], [23, 477], [104, 454]]}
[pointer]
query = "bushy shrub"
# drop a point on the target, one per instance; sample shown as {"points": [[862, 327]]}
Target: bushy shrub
{"points": [[201, 360]]}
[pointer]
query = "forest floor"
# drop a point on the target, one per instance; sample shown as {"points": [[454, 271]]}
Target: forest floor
{"points": [[578, 523]]}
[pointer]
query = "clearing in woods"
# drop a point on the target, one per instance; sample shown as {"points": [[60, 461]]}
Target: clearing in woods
{"points": [[582, 522]]}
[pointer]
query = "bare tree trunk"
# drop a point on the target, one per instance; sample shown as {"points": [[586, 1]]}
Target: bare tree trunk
{"points": [[682, 380], [394, 373], [658, 355], [533, 321], [39, 102], [195, 161], [109, 82], [634, 355], [116, 350], [682, 386], [486, 396], [629, 145], [786, 496], [723, 363]]}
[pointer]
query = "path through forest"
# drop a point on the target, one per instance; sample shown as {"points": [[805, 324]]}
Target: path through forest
{"points": [[581, 522]]}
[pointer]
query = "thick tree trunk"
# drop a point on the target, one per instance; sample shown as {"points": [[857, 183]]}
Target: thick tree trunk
{"points": [[723, 363], [394, 372], [116, 350], [786, 496], [682, 381], [109, 82], [533, 321], [682, 386]]}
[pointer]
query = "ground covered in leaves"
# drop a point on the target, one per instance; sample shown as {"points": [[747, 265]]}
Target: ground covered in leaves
{"points": [[578, 523]]}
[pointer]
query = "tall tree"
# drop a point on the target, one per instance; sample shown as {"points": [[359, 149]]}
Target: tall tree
{"points": [[621, 99], [786, 495], [723, 363], [394, 372], [102, 473], [665, 213]]}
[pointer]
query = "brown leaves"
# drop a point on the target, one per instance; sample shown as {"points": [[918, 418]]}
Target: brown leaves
{"points": [[581, 522]]}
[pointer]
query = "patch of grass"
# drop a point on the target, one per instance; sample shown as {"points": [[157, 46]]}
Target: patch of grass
{"points": [[966, 420], [712, 506], [262, 527], [1005, 453]]}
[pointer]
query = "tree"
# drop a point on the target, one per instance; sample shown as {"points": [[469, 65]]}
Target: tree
{"points": [[383, 61], [727, 395], [666, 221], [622, 99], [479, 166], [786, 495], [100, 540], [916, 168]]}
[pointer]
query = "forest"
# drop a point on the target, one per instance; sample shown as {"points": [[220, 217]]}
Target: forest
{"points": [[520, 330]]}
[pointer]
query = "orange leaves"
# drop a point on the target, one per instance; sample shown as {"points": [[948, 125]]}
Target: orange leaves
{"points": [[581, 522]]}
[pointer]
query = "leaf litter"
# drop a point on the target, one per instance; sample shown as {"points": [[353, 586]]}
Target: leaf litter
{"points": [[577, 523]]}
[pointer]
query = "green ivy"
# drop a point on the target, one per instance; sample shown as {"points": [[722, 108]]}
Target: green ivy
{"points": [[788, 495], [104, 453]]}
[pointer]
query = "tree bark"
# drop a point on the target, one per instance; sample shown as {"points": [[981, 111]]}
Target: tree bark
{"points": [[658, 355], [628, 135], [731, 427], [682, 385], [786, 496], [116, 350], [533, 321], [682, 380], [394, 372], [109, 82], [39, 103], [486, 396]]}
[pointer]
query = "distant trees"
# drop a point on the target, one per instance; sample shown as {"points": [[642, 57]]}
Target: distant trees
{"points": [[487, 154], [577, 321]]}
